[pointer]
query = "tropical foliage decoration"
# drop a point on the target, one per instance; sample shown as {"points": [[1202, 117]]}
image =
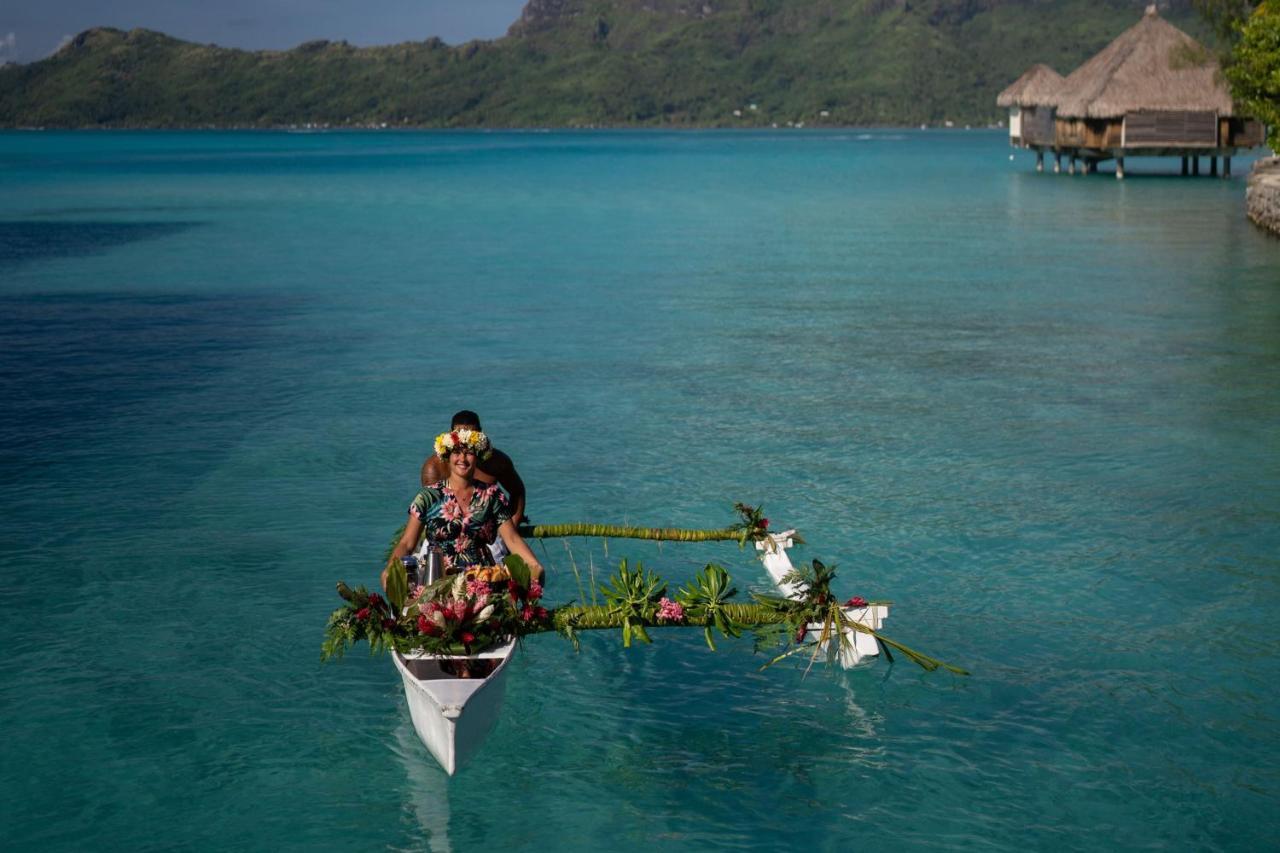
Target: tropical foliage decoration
{"points": [[457, 615], [460, 616]]}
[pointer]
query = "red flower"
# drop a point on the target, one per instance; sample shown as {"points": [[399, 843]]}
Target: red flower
{"points": [[428, 627], [527, 613], [764, 524], [468, 638], [362, 614], [804, 629], [535, 590], [375, 600], [388, 624], [856, 601], [542, 612]]}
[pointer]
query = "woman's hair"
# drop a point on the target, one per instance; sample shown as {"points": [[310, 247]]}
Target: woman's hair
{"points": [[465, 418]]}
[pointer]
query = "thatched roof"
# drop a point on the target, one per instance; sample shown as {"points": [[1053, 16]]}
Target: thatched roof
{"points": [[1151, 66], [1037, 86]]}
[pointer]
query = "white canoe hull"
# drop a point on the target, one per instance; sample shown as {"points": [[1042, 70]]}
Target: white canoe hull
{"points": [[856, 645], [453, 716]]}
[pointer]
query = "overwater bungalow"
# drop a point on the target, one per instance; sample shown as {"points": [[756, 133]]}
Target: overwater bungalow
{"points": [[1030, 103], [1153, 92]]}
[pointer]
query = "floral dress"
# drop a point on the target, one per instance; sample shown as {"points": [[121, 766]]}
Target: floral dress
{"points": [[462, 533]]}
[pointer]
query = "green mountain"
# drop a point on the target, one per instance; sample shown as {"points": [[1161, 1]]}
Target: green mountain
{"points": [[575, 63]]}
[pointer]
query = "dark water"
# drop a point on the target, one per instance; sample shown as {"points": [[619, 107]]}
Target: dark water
{"points": [[1039, 413]]}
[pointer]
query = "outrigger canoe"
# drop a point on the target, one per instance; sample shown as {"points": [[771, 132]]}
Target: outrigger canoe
{"points": [[454, 715]]}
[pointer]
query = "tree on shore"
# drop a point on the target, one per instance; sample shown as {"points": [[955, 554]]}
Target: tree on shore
{"points": [[1250, 33], [1254, 69]]}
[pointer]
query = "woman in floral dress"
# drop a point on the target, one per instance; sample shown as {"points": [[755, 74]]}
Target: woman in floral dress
{"points": [[460, 515]]}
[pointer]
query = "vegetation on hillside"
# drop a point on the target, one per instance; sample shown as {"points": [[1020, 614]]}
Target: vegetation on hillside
{"points": [[575, 63]]}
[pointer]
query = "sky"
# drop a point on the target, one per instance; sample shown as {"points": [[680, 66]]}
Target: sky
{"points": [[33, 29]]}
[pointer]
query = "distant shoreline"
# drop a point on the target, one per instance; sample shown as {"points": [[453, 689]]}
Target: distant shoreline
{"points": [[785, 63], [514, 129]]}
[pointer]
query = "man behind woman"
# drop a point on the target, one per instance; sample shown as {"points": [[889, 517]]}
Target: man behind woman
{"points": [[496, 468], [461, 513]]}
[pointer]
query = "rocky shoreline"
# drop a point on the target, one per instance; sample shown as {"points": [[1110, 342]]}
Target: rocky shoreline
{"points": [[1262, 198]]}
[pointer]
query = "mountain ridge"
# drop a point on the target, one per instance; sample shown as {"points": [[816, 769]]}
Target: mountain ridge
{"points": [[579, 63]]}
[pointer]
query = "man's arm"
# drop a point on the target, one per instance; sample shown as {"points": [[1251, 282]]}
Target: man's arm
{"points": [[502, 469]]}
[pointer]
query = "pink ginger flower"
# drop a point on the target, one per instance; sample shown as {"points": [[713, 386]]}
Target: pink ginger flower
{"points": [[477, 588], [459, 608], [535, 590], [670, 611]]}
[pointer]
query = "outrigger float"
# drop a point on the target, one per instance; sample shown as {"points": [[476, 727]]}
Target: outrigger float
{"points": [[452, 642]]}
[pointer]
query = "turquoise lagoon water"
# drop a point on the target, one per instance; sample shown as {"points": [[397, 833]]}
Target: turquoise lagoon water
{"points": [[1039, 413]]}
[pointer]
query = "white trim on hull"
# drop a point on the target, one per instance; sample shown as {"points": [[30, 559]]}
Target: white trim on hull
{"points": [[437, 701], [859, 645]]}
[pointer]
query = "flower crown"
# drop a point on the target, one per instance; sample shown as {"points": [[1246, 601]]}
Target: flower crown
{"points": [[471, 439]]}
